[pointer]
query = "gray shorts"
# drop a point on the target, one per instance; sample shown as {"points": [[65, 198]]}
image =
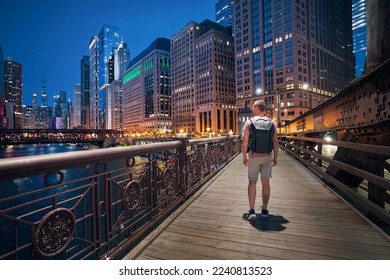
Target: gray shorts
{"points": [[259, 165]]}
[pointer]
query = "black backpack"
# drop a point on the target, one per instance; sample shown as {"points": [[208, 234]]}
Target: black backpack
{"points": [[261, 135]]}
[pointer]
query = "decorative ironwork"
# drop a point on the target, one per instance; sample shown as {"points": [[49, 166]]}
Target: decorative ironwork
{"points": [[130, 162], [98, 170], [132, 195], [54, 232], [109, 203], [59, 179], [168, 178]]}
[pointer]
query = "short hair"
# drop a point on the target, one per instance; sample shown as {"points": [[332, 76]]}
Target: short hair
{"points": [[260, 104]]}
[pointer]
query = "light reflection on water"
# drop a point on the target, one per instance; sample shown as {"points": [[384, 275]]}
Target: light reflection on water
{"points": [[36, 149]]}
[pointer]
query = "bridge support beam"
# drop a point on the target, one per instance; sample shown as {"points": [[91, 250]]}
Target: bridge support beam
{"points": [[378, 41], [362, 160]]}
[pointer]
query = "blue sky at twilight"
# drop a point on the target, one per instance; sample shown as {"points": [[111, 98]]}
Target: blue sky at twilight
{"points": [[49, 37]]}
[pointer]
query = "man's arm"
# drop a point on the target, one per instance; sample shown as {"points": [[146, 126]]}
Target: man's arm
{"points": [[245, 142], [276, 145]]}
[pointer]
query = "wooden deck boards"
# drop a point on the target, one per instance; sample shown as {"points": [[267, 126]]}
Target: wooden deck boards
{"points": [[307, 221]]}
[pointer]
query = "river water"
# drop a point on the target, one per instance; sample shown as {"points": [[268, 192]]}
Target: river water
{"points": [[37, 149]]}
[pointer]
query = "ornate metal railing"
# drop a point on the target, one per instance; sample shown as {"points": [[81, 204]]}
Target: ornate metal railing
{"points": [[359, 172], [99, 203]]}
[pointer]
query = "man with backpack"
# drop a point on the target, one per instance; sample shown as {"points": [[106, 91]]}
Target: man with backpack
{"points": [[260, 152]]}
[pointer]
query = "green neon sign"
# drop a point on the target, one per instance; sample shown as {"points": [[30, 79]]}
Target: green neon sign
{"points": [[131, 75], [148, 64]]}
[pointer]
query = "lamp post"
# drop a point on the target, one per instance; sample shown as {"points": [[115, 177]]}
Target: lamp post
{"points": [[278, 105]]}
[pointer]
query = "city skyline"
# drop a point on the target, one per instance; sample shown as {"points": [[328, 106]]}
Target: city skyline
{"points": [[56, 35]]}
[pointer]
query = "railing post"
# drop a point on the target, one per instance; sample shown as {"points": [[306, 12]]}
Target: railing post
{"points": [[182, 166]]}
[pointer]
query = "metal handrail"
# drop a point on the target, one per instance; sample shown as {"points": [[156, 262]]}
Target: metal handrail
{"points": [[308, 151], [98, 204]]}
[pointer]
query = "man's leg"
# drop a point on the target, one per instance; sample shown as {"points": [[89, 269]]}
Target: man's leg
{"points": [[266, 192], [252, 193]]}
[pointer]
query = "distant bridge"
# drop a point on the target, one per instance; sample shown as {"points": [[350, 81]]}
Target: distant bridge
{"points": [[42, 136]]}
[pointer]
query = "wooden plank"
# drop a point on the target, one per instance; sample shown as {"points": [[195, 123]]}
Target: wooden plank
{"points": [[307, 221], [285, 241]]}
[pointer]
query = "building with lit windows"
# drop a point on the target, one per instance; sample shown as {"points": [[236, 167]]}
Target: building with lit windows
{"points": [[297, 50], [77, 106], [224, 11], [85, 91], [147, 91], [3, 120], [1, 74], [118, 64], [12, 97], [44, 92], [203, 79], [101, 48], [115, 105], [359, 32]]}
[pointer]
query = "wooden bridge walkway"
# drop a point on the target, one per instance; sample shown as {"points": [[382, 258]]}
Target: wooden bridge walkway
{"points": [[307, 221]]}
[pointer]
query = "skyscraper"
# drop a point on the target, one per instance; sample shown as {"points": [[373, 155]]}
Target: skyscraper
{"points": [[118, 63], [147, 90], [3, 120], [121, 60], [44, 92], [77, 105], [224, 13], [202, 78], [115, 105], [34, 111], [101, 48], [13, 93], [63, 108], [299, 51], [1, 73], [359, 31], [85, 91]]}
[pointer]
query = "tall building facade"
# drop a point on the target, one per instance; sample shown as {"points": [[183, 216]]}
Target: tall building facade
{"points": [[34, 111], [299, 51], [215, 102], [359, 31], [202, 78], [1, 73], [147, 90], [27, 113], [77, 106], [13, 93], [224, 13], [85, 91], [3, 120], [115, 105], [118, 64], [121, 60], [101, 48], [43, 92]]}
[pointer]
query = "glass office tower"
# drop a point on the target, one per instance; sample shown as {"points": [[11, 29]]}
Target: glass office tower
{"points": [[85, 91], [297, 50], [44, 92], [359, 31], [224, 11], [1, 73], [101, 48], [13, 93]]}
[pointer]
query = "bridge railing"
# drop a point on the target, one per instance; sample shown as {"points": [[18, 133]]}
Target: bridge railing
{"points": [[40, 136], [98, 204], [362, 179]]}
